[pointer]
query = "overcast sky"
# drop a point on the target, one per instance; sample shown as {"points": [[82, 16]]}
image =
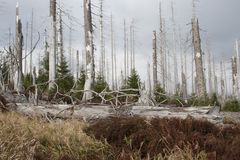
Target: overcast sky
{"points": [[218, 20]]}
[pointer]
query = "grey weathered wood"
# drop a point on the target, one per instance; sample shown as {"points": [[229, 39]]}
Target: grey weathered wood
{"points": [[154, 58], [53, 44], [18, 86], [89, 50], [200, 78], [234, 76], [112, 54]]}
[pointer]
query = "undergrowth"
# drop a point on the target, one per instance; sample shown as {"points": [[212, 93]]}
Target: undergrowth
{"points": [[23, 138], [26, 138]]}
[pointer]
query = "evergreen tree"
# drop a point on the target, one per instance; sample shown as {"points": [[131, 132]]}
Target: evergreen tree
{"points": [[159, 94], [27, 81], [64, 77], [80, 84], [99, 85], [133, 82], [43, 73]]}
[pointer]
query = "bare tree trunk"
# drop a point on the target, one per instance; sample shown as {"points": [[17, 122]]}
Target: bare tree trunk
{"points": [[60, 37], [162, 49], [222, 84], [184, 81], [210, 73], [115, 66], [215, 77], [154, 59], [149, 79], [102, 64], [201, 88], [125, 53], [31, 45], [238, 69], [18, 61], [225, 79], [90, 68], [35, 85], [133, 44], [70, 48], [127, 49], [78, 65], [26, 49], [193, 72], [131, 48], [176, 80], [53, 44], [234, 76], [112, 55]]}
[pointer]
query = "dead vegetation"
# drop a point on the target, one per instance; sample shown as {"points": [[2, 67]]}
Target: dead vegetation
{"points": [[160, 137], [116, 139], [25, 138]]}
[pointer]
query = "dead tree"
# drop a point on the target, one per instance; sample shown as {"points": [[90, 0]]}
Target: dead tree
{"points": [[133, 44], [102, 59], [53, 44], [26, 49], [61, 50], [238, 69], [215, 76], [31, 46], [223, 95], [78, 65], [200, 80], [112, 54], [130, 44], [234, 76], [154, 58], [149, 79], [90, 68], [183, 71], [162, 49], [115, 66], [209, 70], [18, 86], [125, 53], [70, 48], [176, 81]]}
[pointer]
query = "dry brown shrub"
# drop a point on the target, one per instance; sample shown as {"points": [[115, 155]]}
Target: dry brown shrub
{"points": [[129, 136]]}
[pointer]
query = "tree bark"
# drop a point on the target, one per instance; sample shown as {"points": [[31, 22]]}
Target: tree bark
{"points": [[200, 80], [154, 60], [53, 44], [90, 68], [18, 61]]}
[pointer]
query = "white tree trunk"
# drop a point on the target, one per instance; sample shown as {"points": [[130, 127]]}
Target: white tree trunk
{"points": [[90, 70], [18, 61], [154, 57], [52, 44]]}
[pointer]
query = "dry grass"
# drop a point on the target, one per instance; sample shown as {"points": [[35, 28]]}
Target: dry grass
{"points": [[24, 139]]}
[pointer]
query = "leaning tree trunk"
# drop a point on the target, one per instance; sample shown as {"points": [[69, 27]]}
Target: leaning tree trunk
{"points": [[90, 71]]}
